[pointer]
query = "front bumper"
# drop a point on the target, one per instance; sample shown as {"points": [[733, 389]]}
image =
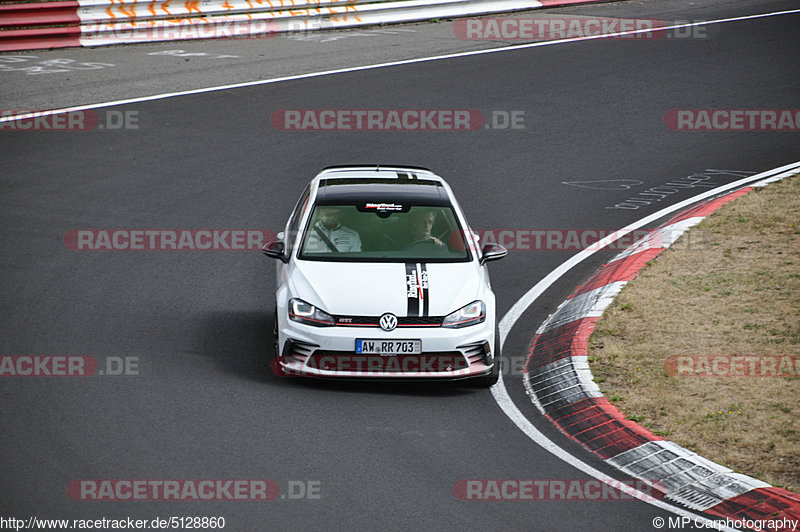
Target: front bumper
{"points": [[448, 354]]}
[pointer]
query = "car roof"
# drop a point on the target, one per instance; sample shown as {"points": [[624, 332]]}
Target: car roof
{"points": [[403, 184]]}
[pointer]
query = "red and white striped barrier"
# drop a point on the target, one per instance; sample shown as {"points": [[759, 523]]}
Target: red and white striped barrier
{"points": [[101, 22], [560, 384]]}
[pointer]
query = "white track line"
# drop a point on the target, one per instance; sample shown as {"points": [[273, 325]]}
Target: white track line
{"points": [[139, 99], [499, 391]]}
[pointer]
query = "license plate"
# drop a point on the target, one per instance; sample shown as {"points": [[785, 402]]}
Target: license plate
{"points": [[389, 347]]}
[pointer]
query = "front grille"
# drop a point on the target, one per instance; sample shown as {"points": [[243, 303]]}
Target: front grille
{"points": [[430, 362], [373, 321]]}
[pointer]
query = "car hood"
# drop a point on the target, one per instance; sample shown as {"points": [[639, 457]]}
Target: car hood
{"points": [[371, 289]]}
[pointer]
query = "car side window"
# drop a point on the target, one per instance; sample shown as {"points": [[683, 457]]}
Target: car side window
{"points": [[293, 226]]}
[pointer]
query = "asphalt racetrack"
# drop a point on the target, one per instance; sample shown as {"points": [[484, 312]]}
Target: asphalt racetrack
{"points": [[194, 327]]}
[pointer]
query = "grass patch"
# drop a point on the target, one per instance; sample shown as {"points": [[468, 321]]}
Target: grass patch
{"points": [[729, 287]]}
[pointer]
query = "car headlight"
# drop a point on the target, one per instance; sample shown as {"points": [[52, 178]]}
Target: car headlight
{"points": [[306, 313], [471, 314]]}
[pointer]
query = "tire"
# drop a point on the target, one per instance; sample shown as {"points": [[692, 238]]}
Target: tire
{"points": [[274, 333], [491, 379], [274, 365]]}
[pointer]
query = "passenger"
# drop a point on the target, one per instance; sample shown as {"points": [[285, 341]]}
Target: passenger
{"points": [[328, 235]]}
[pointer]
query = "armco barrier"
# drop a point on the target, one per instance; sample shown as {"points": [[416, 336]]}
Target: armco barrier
{"points": [[559, 382], [102, 22]]}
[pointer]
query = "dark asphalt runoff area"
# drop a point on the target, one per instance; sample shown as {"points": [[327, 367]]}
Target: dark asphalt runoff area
{"points": [[198, 401]]}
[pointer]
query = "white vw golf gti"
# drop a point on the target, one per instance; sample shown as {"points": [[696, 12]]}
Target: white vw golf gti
{"points": [[380, 276]]}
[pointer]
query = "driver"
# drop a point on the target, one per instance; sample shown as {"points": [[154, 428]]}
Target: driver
{"points": [[328, 235], [421, 227]]}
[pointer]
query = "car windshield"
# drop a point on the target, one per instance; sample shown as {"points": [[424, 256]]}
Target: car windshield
{"points": [[384, 232]]}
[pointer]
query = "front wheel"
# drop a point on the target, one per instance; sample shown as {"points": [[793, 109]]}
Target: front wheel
{"points": [[491, 379], [274, 365]]}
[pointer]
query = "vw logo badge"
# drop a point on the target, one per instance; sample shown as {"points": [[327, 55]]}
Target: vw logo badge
{"points": [[388, 322]]}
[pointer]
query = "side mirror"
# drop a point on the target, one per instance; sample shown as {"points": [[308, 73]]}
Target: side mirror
{"points": [[492, 251], [275, 250]]}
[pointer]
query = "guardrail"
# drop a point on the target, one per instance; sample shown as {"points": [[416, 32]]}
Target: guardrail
{"points": [[26, 26]]}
